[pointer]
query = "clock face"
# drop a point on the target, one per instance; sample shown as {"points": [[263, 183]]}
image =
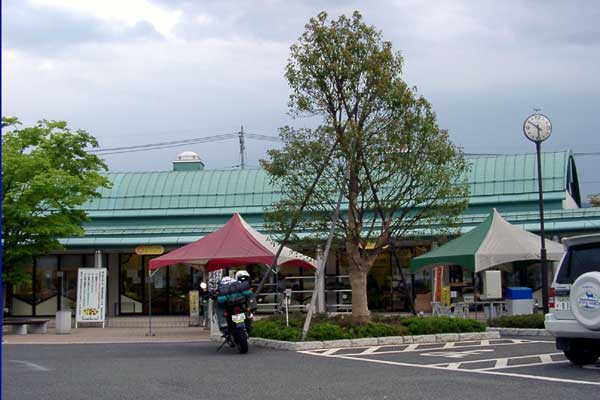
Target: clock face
{"points": [[537, 127]]}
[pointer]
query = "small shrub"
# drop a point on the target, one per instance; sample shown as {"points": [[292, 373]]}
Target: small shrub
{"points": [[270, 329], [343, 327], [327, 331], [532, 321], [378, 329], [433, 325]]}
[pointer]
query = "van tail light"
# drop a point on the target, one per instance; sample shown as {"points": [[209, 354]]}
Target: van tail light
{"points": [[551, 298]]}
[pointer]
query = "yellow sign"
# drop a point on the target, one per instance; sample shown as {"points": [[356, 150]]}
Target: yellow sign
{"points": [[194, 307], [149, 250], [445, 295]]}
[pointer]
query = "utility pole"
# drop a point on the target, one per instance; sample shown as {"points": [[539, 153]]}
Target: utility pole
{"points": [[242, 148]]}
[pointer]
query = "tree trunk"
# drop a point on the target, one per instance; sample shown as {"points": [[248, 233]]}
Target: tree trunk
{"points": [[360, 305]]}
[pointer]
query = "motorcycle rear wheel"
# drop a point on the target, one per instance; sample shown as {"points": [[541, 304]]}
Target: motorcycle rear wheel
{"points": [[242, 341]]}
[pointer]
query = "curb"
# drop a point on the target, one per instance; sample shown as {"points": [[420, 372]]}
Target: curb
{"points": [[520, 332], [367, 342]]}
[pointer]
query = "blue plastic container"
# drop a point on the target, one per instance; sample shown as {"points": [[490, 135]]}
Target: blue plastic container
{"points": [[519, 293]]}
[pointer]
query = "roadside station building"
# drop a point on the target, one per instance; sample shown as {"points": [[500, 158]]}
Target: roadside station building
{"points": [[145, 214]]}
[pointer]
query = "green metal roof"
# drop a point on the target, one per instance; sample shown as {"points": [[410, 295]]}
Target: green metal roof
{"points": [[492, 179], [176, 207]]}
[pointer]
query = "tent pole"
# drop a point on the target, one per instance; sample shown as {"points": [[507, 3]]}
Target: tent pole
{"points": [[150, 276], [295, 220], [321, 270]]}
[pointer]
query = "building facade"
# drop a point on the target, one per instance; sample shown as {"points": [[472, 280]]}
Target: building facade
{"points": [[145, 214]]}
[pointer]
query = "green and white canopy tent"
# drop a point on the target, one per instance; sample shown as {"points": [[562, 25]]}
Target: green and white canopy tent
{"points": [[493, 242]]}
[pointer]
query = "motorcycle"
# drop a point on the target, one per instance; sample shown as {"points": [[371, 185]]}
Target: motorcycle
{"points": [[232, 306]]}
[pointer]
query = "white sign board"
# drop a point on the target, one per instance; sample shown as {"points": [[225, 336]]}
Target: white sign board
{"points": [[91, 295]]}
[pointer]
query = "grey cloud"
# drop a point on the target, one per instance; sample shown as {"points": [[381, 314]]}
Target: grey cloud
{"points": [[50, 30]]}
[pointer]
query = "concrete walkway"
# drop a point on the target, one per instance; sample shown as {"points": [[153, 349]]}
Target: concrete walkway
{"points": [[88, 335]]}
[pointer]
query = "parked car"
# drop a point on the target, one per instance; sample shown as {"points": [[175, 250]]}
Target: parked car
{"points": [[574, 317]]}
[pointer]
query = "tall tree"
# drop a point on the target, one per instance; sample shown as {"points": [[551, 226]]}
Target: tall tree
{"points": [[396, 169], [46, 175]]}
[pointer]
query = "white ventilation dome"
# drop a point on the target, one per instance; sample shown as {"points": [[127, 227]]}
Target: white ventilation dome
{"points": [[188, 161], [188, 156]]}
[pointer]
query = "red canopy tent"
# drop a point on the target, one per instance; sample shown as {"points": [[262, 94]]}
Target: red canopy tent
{"points": [[234, 244]]}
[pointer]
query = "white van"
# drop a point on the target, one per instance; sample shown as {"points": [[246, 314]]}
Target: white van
{"points": [[574, 317]]}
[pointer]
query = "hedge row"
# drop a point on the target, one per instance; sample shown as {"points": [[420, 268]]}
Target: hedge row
{"points": [[339, 327], [532, 321]]}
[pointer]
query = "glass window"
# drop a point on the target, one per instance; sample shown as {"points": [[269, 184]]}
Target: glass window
{"points": [[160, 290], [22, 297], [45, 284], [69, 265], [179, 286], [581, 259], [132, 284]]}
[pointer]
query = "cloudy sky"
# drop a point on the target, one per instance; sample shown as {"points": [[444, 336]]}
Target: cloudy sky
{"points": [[146, 71]]}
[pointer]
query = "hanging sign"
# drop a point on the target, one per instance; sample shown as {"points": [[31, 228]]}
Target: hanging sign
{"points": [[91, 295], [149, 250]]}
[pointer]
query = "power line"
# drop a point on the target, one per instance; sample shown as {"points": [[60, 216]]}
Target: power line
{"points": [[255, 136], [162, 145]]}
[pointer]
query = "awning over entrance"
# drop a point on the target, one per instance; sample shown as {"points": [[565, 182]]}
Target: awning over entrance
{"points": [[236, 243], [493, 242]]}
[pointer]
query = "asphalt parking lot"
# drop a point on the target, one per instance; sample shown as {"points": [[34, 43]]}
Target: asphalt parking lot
{"points": [[196, 371], [518, 358]]}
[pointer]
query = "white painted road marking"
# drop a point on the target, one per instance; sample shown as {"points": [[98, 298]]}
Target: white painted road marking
{"points": [[31, 365], [416, 347], [542, 378], [500, 363], [457, 354]]}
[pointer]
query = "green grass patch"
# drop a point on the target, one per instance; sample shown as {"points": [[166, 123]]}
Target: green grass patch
{"points": [[343, 327], [532, 321]]}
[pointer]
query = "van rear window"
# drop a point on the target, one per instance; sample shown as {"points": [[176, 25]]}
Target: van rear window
{"points": [[579, 260]]}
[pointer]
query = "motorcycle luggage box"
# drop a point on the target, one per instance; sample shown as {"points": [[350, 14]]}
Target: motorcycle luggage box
{"points": [[233, 287]]}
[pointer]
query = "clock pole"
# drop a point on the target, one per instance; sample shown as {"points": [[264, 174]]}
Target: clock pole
{"points": [[544, 261]]}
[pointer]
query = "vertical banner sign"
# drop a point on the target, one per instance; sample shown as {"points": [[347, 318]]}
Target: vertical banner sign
{"points": [[91, 295], [214, 277], [194, 308], [437, 284], [445, 296]]}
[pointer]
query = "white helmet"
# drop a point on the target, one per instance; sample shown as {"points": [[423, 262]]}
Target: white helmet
{"points": [[226, 280], [242, 276]]}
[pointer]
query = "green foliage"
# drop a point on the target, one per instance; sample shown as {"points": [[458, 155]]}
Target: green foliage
{"points": [[426, 326], [532, 321], [395, 168], [276, 330], [46, 175], [340, 327], [327, 331]]}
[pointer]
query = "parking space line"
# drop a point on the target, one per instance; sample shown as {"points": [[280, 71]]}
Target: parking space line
{"points": [[30, 365], [497, 373], [370, 350], [415, 347], [547, 358], [525, 365]]}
